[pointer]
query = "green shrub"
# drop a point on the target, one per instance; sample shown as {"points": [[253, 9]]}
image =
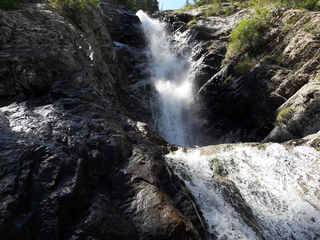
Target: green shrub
{"points": [[248, 33], [309, 4], [74, 4], [213, 10], [229, 10], [8, 4]]}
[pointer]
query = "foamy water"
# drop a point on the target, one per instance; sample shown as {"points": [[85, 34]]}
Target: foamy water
{"points": [[170, 68], [281, 185]]}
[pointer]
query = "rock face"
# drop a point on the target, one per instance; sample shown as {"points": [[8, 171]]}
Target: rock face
{"points": [[78, 158], [75, 163], [241, 105]]}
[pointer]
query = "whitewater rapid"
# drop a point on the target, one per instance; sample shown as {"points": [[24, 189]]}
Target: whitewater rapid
{"points": [[280, 184]]}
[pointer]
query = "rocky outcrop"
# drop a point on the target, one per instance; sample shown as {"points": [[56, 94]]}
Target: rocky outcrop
{"points": [[74, 162], [240, 101]]}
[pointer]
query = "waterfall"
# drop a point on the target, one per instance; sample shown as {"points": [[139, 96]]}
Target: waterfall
{"points": [[170, 71], [280, 185], [245, 191]]}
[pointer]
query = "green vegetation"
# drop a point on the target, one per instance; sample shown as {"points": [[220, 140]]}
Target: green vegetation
{"points": [[284, 116], [318, 77], [279, 59], [192, 22], [145, 5], [214, 45], [269, 59], [8, 4], [287, 27], [312, 28], [245, 65], [302, 4], [214, 9], [248, 34], [308, 4], [74, 4]]}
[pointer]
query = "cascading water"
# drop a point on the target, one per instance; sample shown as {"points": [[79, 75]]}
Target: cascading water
{"points": [[169, 67], [281, 185]]}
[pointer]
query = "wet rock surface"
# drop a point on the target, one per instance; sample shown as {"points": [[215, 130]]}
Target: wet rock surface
{"points": [[74, 165], [242, 105]]}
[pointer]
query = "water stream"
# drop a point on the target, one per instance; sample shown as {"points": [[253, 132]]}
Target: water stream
{"points": [[281, 185], [170, 69]]}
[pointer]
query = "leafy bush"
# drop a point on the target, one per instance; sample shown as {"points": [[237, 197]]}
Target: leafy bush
{"points": [[74, 4], [248, 33], [8, 4]]}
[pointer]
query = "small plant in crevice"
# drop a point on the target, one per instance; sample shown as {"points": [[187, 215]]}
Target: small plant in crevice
{"points": [[269, 59], [284, 116], [245, 65], [194, 21], [226, 80], [279, 59], [213, 46], [287, 27], [311, 28]]}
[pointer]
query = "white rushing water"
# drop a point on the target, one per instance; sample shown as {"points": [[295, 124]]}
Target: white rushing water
{"points": [[170, 70], [281, 185]]}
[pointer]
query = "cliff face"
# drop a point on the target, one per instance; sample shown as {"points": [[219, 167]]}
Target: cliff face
{"points": [[78, 160], [74, 165], [241, 101]]}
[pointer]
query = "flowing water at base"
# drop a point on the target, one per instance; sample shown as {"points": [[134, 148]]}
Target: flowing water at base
{"points": [[281, 185]]}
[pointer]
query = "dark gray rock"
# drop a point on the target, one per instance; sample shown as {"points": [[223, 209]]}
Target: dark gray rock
{"points": [[73, 163]]}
